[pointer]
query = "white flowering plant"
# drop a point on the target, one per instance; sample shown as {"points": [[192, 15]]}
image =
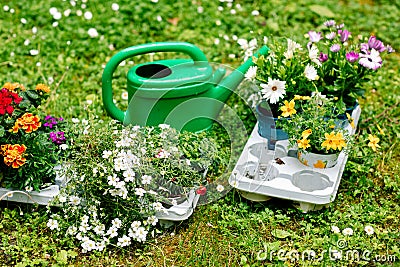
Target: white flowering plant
{"points": [[332, 61], [285, 72], [119, 178]]}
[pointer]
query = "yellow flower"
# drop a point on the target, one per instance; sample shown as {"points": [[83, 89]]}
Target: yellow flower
{"points": [[380, 130], [288, 109], [303, 143], [351, 120], [340, 141], [373, 142], [306, 133], [299, 97], [12, 86], [330, 141], [319, 164]]}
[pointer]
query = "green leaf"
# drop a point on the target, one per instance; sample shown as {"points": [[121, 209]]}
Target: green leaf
{"points": [[279, 233], [2, 131], [32, 94], [323, 11]]}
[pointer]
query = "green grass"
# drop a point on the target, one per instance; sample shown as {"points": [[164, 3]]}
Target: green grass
{"points": [[231, 231]]}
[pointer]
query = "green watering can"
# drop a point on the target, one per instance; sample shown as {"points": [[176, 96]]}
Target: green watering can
{"points": [[184, 93]]}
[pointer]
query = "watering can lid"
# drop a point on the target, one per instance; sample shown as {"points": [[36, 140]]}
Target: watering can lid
{"points": [[164, 75]]}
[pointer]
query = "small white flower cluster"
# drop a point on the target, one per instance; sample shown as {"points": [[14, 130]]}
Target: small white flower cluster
{"points": [[369, 230]]}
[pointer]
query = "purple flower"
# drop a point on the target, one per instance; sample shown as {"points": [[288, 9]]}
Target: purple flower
{"points": [[344, 35], [330, 36], [390, 49], [352, 56], [364, 48], [57, 138], [335, 48], [371, 61], [330, 23], [340, 26], [376, 44], [315, 37], [323, 57]]}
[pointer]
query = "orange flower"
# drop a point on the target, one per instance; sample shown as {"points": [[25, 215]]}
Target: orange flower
{"points": [[12, 86], [13, 155], [28, 122], [288, 108], [42, 87], [319, 164]]}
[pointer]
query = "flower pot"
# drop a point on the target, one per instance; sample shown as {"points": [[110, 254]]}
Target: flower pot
{"points": [[342, 120], [315, 160], [267, 127]]}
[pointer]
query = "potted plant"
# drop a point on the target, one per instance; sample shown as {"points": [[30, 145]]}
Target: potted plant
{"points": [[286, 71], [312, 129], [123, 180], [332, 61], [30, 141], [346, 62]]}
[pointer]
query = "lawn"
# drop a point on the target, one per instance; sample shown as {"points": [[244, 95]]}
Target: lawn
{"points": [[69, 54]]}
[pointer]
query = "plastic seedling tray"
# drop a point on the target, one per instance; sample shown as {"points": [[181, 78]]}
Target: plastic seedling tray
{"points": [[42, 197], [178, 212], [260, 175]]}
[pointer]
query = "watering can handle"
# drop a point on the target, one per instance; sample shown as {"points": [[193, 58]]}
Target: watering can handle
{"points": [[193, 51]]}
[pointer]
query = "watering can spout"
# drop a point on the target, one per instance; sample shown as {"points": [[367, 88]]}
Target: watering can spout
{"points": [[227, 85]]}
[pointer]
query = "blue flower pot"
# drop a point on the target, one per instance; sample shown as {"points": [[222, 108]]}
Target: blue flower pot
{"points": [[267, 127]]}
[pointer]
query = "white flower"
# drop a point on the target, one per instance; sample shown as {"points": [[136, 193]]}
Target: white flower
{"points": [[112, 232], [313, 53], [157, 206], [75, 120], [64, 147], [273, 90], [152, 220], [62, 199], [57, 15], [255, 12], [135, 225], [371, 61], [99, 229], [347, 231], [291, 48], [115, 6], [116, 223], [23, 21], [34, 52], [163, 154], [106, 154], [141, 234], [164, 126], [140, 192], [251, 73], [369, 230], [335, 229], [124, 241], [93, 33], [113, 180], [235, 183], [89, 245], [6, 8], [220, 188], [146, 179], [52, 224], [129, 175], [88, 15], [28, 188], [310, 72], [124, 96], [74, 200]]}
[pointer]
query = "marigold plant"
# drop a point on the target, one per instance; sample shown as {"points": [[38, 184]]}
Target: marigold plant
{"points": [[30, 142]]}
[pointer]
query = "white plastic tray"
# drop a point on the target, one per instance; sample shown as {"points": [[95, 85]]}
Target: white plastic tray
{"points": [[258, 176]]}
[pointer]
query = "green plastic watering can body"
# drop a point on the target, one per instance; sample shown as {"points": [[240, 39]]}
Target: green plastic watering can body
{"points": [[184, 93]]}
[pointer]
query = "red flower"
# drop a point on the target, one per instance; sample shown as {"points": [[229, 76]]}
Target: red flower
{"points": [[202, 190], [8, 101]]}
